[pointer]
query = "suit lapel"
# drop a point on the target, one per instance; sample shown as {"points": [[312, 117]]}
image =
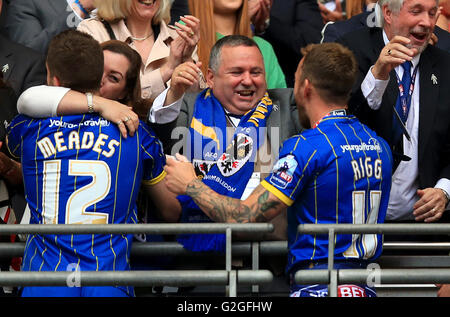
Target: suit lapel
{"points": [[6, 60], [428, 98], [390, 99]]}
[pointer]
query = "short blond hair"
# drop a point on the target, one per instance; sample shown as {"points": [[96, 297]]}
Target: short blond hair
{"points": [[331, 68], [115, 10]]}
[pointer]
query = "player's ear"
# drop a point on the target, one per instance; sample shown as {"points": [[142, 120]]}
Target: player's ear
{"points": [[56, 81], [52, 80], [307, 88]]}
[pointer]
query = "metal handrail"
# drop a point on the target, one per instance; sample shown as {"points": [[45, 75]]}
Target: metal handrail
{"points": [[381, 228], [361, 276], [153, 228], [241, 248], [133, 278], [257, 249], [334, 276], [157, 229]]}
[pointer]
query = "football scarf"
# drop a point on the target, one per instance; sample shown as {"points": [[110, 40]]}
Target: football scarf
{"points": [[225, 169]]}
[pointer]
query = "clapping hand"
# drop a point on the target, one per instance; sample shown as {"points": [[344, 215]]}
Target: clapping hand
{"points": [[184, 76], [182, 48], [190, 33]]}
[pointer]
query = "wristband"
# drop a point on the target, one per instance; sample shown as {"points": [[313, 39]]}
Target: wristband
{"points": [[90, 102]]}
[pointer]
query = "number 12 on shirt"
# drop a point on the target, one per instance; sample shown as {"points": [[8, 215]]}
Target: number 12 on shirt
{"points": [[80, 199]]}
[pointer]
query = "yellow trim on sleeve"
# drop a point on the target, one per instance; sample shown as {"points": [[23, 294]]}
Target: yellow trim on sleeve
{"points": [[280, 195], [155, 180]]}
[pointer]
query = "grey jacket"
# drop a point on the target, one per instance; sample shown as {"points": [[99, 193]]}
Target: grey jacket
{"points": [[34, 23]]}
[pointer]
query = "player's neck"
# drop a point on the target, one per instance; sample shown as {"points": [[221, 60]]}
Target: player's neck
{"points": [[317, 109], [321, 110]]}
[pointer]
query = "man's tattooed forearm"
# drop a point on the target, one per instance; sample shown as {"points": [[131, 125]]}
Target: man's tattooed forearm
{"points": [[264, 204], [226, 209]]}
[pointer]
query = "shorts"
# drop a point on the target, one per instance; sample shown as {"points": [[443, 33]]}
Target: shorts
{"points": [[85, 291], [321, 290]]}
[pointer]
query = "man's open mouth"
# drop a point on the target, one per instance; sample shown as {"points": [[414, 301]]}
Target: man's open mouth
{"points": [[245, 93], [419, 36]]}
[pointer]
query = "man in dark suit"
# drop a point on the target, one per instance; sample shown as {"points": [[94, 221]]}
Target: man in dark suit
{"points": [[421, 141], [332, 31], [293, 25], [34, 23], [21, 66]]}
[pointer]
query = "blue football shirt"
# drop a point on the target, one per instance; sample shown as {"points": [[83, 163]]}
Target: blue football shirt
{"points": [[338, 172], [79, 170]]}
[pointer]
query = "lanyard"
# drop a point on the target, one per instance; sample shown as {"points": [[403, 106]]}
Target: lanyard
{"points": [[338, 112], [405, 99]]}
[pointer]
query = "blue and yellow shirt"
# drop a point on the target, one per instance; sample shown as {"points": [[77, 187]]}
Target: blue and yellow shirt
{"points": [[338, 172], [79, 170]]}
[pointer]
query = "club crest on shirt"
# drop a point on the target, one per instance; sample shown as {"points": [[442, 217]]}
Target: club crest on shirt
{"points": [[236, 155], [283, 171], [202, 167]]}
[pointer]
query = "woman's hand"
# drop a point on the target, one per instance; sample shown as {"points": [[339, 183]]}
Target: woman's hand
{"points": [[190, 33], [182, 48], [126, 119]]}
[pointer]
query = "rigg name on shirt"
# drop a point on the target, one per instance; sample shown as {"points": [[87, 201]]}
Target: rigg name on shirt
{"points": [[75, 141]]}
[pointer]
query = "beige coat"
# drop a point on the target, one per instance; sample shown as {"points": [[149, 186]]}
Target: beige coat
{"points": [[151, 79]]}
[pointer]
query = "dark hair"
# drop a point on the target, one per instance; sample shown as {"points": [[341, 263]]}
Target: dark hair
{"points": [[133, 82], [230, 41], [331, 68], [76, 59]]}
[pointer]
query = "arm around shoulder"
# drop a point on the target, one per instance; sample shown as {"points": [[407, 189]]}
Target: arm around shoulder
{"points": [[41, 101]]}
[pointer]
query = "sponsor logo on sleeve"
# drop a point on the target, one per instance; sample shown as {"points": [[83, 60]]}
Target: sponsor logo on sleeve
{"points": [[283, 171]]}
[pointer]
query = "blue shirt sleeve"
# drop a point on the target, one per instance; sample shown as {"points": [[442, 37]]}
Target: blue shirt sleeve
{"points": [[14, 135], [296, 165], [153, 156]]}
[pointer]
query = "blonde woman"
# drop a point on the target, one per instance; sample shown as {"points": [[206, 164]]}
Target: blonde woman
{"points": [[226, 17], [143, 24]]}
